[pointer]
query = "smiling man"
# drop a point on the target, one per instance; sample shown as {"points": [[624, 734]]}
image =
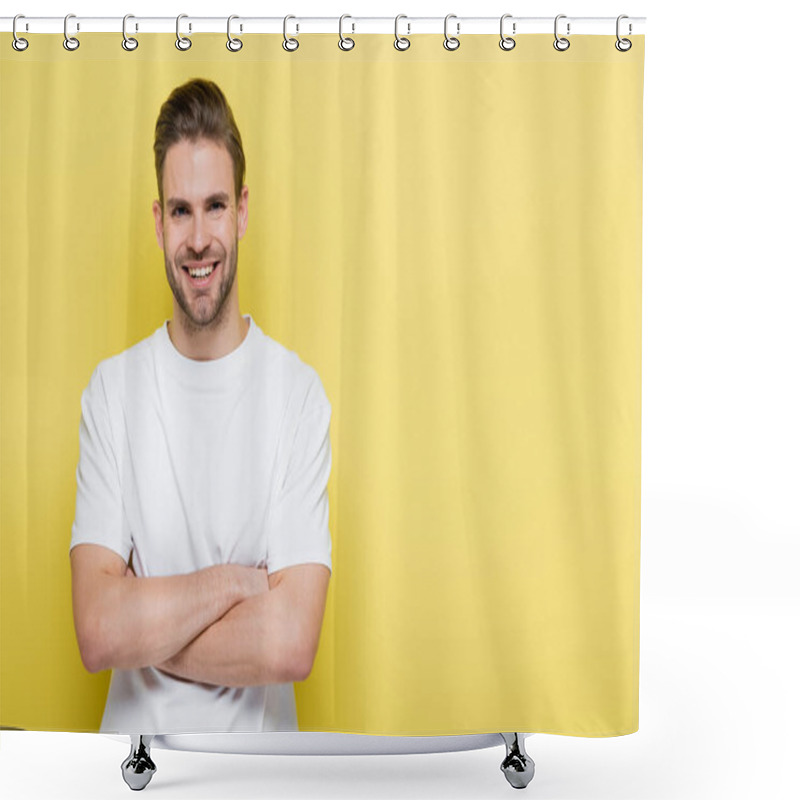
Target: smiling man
{"points": [[200, 549]]}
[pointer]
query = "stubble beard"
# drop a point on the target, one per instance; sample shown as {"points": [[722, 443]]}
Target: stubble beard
{"points": [[210, 312]]}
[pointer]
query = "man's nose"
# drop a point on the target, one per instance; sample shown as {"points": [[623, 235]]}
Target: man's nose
{"points": [[200, 235]]}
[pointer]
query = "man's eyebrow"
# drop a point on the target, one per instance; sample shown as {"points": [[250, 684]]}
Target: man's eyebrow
{"points": [[217, 197]]}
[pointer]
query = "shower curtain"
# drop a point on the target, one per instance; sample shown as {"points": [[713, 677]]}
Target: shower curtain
{"points": [[452, 240]]}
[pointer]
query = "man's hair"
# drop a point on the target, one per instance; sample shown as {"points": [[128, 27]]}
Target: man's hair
{"points": [[198, 110]]}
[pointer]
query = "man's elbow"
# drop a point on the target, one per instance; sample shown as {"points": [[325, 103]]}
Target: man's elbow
{"points": [[92, 663], [302, 666], [295, 666], [92, 655], [94, 636]]}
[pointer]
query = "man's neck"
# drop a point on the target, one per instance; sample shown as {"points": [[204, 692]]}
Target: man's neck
{"points": [[207, 344]]}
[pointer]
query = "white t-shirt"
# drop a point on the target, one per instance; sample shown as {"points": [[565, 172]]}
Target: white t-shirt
{"points": [[187, 464]]}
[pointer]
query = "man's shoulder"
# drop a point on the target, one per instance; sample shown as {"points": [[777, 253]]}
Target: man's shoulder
{"points": [[289, 370], [115, 367], [279, 358]]}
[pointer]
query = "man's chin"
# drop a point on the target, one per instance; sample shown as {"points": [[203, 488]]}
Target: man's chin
{"points": [[200, 318]]}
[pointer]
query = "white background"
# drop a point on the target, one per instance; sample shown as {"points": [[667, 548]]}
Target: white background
{"points": [[719, 697]]}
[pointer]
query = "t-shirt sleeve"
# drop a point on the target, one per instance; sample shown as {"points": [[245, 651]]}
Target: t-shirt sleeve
{"points": [[99, 514], [297, 527]]}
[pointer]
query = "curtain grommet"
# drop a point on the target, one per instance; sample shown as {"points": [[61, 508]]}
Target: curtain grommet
{"points": [[400, 42], [451, 42], [289, 44], [623, 48], [345, 42], [233, 44], [18, 43], [71, 43], [182, 42], [507, 42], [128, 42], [561, 43]]}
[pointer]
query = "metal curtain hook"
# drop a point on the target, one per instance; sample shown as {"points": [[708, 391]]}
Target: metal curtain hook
{"points": [[17, 42], [560, 43], [233, 44], [451, 42], [345, 43], [400, 42], [70, 42], [181, 42], [289, 44], [618, 44], [506, 42], [128, 42]]}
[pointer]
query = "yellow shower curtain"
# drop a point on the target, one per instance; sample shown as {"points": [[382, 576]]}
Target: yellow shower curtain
{"points": [[453, 241]]}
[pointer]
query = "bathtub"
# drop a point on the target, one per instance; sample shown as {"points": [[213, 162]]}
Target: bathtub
{"points": [[138, 768]]}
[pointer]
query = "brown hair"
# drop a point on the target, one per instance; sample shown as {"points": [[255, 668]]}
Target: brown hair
{"points": [[198, 110]]}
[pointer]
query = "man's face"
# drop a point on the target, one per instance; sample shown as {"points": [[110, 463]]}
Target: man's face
{"points": [[200, 228]]}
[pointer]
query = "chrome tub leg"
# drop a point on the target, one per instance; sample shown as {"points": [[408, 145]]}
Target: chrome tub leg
{"points": [[138, 768], [517, 766]]}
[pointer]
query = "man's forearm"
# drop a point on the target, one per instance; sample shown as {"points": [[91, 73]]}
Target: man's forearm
{"points": [[251, 645], [146, 620]]}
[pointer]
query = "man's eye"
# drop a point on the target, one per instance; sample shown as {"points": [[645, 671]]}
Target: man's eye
{"points": [[217, 205], [178, 210]]}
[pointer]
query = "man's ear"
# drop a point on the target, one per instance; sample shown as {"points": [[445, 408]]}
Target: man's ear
{"points": [[159, 219], [241, 211]]}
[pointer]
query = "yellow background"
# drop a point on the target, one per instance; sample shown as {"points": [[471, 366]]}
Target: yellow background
{"points": [[453, 241]]}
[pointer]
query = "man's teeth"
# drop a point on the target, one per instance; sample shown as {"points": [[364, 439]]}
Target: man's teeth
{"points": [[201, 273]]}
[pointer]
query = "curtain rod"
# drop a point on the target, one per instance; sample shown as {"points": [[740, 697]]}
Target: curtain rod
{"points": [[408, 26]]}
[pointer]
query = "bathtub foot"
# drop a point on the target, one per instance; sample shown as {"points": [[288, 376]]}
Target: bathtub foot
{"points": [[138, 767], [517, 766]]}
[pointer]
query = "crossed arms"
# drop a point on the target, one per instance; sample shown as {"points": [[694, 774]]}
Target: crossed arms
{"points": [[228, 625]]}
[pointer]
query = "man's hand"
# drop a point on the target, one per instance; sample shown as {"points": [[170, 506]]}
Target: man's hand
{"points": [[252, 580]]}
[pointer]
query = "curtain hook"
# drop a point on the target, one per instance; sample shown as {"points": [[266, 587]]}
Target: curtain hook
{"points": [[618, 43], [506, 42], [561, 44], [233, 44], [181, 42], [451, 42], [288, 43], [406, 43], [17, 42], [128, 42], [345, 43], [70, 42]]}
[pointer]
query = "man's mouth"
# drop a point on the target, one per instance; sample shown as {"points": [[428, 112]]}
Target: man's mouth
{"points": [[200, 274]]}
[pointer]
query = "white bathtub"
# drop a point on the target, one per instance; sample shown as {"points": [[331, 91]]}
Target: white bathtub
{"points": [[283, 743], [138, 768]]}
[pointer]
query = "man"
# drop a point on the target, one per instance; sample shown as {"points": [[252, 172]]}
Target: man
{"points": [[200, 550]]}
